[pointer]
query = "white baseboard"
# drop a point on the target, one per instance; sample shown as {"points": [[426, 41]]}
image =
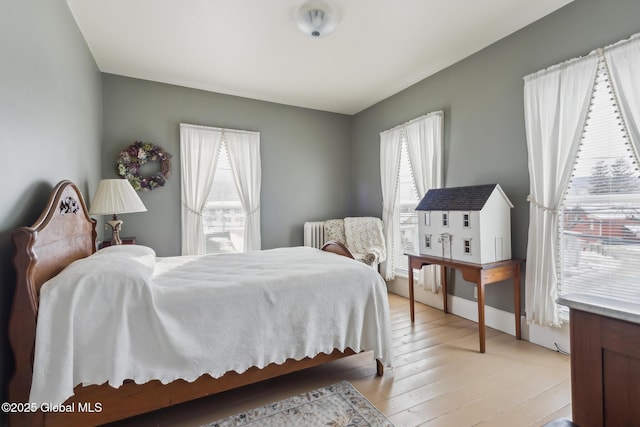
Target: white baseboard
{"points": [[494, 318], [549, 337]]}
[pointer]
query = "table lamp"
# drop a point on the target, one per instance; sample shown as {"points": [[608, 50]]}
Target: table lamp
{"points": [[113, 197]]}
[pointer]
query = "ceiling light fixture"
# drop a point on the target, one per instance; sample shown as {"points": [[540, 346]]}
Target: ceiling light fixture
{"points": [[316, 19]]}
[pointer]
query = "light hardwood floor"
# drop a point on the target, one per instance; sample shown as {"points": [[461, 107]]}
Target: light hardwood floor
{"points": [[439, 379]]}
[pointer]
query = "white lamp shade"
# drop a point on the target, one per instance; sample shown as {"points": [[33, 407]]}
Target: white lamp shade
{"points": [[115, 196]]}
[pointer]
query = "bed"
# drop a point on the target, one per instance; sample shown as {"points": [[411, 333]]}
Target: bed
{"points": [[63, 238]]}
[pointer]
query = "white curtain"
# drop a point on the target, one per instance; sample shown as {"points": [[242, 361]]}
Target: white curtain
{"points": [[556, 102], [390, 145], [199, 149], [624, 67], [244, 156], [424, 146]]}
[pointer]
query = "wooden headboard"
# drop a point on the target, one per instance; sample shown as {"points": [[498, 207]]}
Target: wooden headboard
{"points": [[63, 233]]}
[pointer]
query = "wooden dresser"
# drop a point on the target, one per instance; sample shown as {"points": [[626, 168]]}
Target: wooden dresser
{"points": [[605, 361]]}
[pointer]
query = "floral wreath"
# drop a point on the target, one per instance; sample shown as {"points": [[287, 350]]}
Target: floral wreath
{"points": [[136, 155]]}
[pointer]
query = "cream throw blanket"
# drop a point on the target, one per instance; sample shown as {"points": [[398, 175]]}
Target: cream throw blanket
{"points": [[364, 237], [121, 314]]}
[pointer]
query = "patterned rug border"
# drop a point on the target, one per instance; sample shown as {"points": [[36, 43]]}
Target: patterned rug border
{"points": [[365, 413]]}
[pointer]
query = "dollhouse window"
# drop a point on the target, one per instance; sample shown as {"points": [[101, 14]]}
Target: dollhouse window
{"points": [[445, 219], [427, 218], [467, 246], [427, 241], [465, 220]]}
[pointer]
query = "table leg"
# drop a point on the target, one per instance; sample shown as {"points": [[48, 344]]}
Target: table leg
{"points": [[443, 282], [411, 297], [481, 315], [516, 297]]}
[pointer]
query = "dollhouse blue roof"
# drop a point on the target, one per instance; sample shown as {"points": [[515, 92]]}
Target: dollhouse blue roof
{"points": [[469, 198]]}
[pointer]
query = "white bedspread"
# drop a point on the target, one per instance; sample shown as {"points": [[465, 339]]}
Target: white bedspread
{"points": [[108, 318]]}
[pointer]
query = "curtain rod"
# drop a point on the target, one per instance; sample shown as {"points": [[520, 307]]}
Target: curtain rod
{"points": [[433, 113], [590, 55], [187, 125]]}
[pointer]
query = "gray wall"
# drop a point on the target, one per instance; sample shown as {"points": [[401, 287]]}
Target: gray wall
{"points": [[50, 124], [482, 98], [306, 162]]}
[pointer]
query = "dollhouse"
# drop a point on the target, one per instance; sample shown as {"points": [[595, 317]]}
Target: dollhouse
{"points": [[471, 224]]}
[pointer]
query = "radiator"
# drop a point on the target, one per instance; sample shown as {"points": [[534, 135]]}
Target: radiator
{"points": [[314, 234]]}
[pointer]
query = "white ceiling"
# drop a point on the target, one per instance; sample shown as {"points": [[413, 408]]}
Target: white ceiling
{"points": [[252, 48]]}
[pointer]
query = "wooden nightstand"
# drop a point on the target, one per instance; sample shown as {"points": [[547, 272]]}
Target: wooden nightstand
{"points": [[125, 241]]}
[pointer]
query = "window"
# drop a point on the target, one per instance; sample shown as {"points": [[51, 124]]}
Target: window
{"points": [[410, 160], [427, 241], [560, 112], [223, 215], [221, 180], [427, 218], [408, 217], [465, 220], [445, 219], [466, 246], [599, 219]]}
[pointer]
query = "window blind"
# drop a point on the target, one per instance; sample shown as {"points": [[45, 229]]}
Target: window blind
{"points": [[599, 219], [408, 217]]}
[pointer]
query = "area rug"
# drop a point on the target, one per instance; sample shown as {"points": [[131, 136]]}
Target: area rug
{"points": [[335, 405]]}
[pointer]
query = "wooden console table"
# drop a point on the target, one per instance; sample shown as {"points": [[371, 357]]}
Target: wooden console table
{"points": [[478, 274]]}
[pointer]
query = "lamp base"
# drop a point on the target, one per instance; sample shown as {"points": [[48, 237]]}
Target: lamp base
{"points": [[116, 226]]}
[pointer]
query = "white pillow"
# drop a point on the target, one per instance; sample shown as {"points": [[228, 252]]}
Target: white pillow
{"points": [[142, 254], [130, 269]]}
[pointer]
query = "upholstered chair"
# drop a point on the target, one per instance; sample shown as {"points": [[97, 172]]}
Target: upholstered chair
{"points": [[365, 239], [334, 230], [363, 236]]}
